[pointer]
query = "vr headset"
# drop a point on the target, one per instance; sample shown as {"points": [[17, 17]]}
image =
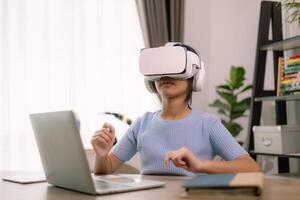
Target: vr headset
{"points": [[171, 61]]}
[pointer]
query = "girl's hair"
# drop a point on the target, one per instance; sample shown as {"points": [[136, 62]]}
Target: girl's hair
{"points": [[188, 98]]}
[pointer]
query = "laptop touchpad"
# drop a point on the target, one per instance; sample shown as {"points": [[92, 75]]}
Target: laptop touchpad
{"points": [[116, 179], [105, 185]]}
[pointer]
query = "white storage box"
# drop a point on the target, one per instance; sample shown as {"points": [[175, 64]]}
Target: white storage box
{"points": [[280, 139]]}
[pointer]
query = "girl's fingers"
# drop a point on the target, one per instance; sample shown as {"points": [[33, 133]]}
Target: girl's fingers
{"points": [[167, 161], [185, 167], [107, 138], [100, 140], [99, 132], [109, 134], [110, 127], [182, 163], [176, 158], [167, 158], [104, 131]]}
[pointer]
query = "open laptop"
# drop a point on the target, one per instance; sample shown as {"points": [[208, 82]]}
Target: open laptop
{"points": [[64, 160]]}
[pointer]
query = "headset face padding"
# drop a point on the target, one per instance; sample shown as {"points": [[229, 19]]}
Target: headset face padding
{"points": [[198, 77], [198, 81]]}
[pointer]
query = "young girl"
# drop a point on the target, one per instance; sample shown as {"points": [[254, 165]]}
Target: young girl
{"points": [[175, 140]]}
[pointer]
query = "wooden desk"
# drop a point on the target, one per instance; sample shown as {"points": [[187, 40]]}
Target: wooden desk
{"points": [[275, 188]]}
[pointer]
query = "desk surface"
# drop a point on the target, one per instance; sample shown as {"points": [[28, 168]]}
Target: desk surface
{"points": [[275, 188]]}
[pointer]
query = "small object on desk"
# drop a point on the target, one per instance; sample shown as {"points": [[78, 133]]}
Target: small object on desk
{"points": [[240, 184], [26, 178]]}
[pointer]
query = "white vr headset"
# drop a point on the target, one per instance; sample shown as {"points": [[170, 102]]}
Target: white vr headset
{"points": [[171, 61]]}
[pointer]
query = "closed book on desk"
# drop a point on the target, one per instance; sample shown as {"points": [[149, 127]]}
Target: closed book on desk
{"points": [[240, 184]]}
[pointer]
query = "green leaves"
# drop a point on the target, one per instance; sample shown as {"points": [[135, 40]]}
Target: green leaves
{"points": [[223, 108], [228, 97], [243, 105], [233, 127], [248, 87], [219, 104], [237, 76], [224, 87], [228, 105], [293, 9]]}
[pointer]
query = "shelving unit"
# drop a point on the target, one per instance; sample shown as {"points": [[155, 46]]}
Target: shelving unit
{"points": [[270, 12], [279, 98], [290, 155], [287, 44]]}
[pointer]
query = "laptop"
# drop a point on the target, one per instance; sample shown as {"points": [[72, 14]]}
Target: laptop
{"points": [[64, 160]]}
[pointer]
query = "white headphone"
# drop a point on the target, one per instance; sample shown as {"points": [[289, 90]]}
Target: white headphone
{"points": [[198, 78]]}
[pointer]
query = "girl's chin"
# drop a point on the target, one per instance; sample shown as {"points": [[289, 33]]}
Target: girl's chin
{"points": [[169, 94], [167, 91]]}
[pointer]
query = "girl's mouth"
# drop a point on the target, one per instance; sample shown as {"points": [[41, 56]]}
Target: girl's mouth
{"points": [[167, 83]]}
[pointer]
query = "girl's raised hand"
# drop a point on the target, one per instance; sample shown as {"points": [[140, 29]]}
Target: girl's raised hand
{"points": [[103, 140]]}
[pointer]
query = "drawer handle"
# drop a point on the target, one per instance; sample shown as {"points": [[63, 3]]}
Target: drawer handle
{"points": [[266, 141]]}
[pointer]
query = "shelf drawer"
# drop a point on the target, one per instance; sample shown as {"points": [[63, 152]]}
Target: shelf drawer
{"points": [[276, 140]]}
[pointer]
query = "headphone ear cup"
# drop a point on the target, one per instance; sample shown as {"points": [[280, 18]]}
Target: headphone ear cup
{"points": [[150, 86], [198, 82]]}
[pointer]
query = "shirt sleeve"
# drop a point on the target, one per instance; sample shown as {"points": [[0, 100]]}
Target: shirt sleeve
{"points": [[126, 148], [223, 142]]}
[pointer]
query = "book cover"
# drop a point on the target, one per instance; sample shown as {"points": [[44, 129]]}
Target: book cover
{"points": [[226, 184]]}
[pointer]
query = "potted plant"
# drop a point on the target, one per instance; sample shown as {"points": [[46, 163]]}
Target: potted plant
{"points": [[229, 105]]}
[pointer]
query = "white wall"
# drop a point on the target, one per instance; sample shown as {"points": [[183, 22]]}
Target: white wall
{"points": [[225, 34]]}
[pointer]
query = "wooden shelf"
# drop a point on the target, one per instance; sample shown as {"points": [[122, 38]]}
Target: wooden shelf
{"points": [[291, 155], [279, 98], [290, 43]]}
